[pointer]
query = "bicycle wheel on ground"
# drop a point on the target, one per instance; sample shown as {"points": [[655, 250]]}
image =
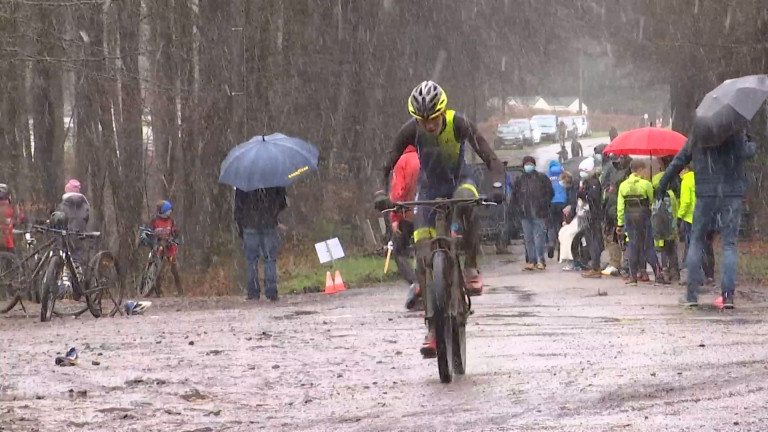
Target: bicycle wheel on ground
{"points": [[49, 287], [442, 318], [11, 281], [148, 278], [105, 285]]}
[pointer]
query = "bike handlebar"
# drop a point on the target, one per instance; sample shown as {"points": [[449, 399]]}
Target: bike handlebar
{"points": [[441, 202], [83, 235]]}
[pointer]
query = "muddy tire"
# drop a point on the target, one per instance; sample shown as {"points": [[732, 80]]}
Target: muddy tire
{"points": [[49, 288], [105, 285], [459, 348], [11, 281], [148, 279], [444, 323]]}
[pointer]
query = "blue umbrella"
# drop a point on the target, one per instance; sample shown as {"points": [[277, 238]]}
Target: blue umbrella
{"points": [[268, 161]]}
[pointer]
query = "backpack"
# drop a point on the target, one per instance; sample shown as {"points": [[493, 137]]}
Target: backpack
{"points": [[663, 219]]}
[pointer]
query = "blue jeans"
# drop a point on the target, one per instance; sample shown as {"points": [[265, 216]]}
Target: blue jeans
{"points": [[724, 213], [535, 240], [264, 244]]}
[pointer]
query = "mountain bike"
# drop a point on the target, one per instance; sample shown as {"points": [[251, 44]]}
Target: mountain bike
{"points": [[446, 294], [156, 261], [65, 285]]}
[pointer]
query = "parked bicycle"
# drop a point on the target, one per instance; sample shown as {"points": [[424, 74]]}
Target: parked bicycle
{"points": [[157, 261], [21, 274], [65, 285], [448, 305]]}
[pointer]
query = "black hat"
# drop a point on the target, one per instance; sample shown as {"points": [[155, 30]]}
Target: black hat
{"points": [[529, 159]]}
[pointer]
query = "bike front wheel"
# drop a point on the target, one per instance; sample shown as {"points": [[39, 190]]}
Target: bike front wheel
{"points": [[442, 317], [148, 278], [105, 286], [49, 287]]}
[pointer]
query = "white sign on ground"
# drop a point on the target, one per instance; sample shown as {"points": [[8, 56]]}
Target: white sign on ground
{"points": [[329, 250]]}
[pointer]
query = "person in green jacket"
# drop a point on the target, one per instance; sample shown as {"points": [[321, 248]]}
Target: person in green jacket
{"points": [[634, 213]]}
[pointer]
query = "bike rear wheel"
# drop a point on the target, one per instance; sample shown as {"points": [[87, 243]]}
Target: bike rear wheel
{"points": [[442, 318], [11, 281], [105, 285]]}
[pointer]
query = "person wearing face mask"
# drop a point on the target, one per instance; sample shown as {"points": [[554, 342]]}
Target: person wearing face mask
{"points": [[634, 212], [590, 193], [559, 201], [611, 178], [533, 195]]}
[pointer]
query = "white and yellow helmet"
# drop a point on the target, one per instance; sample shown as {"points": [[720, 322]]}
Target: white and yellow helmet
{"points": [[427, 101]]}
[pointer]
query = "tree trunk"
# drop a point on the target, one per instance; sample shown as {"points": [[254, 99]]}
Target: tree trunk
{"points": [[131, 144], [48, 109]]}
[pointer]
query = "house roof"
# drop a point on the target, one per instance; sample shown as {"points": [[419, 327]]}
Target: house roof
{"points": [[561, 101]]}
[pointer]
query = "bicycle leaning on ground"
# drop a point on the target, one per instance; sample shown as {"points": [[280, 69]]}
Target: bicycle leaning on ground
{"points": [[445, 295]]}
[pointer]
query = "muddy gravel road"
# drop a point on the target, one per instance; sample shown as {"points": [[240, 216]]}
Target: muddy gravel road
{"points": [[546, 352]]}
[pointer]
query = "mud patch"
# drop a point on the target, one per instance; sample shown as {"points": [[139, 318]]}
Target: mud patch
{"points": [[523, 294]]}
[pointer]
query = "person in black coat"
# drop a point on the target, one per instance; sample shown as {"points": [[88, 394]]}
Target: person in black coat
{"points": [[533, 193]]}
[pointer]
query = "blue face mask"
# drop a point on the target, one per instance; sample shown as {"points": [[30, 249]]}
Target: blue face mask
{"points": [[529, 168]]}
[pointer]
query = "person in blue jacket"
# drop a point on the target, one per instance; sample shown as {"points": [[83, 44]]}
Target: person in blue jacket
{"points": [[559, 202]]}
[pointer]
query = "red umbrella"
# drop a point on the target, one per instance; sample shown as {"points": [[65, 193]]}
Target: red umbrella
{"points": [[648, 141]]}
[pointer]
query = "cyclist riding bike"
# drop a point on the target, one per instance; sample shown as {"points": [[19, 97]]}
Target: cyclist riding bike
{"points": [[440, 136]]}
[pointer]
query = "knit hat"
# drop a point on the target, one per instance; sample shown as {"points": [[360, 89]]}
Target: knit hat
{"points": [[73, 186], [529, 159], [164, 209]]}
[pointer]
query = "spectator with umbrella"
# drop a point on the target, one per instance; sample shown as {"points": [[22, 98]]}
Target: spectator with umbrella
{"points": [[718, 149], [260, 170]]}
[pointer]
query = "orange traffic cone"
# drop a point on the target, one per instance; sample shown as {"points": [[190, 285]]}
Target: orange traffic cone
{"points": [[330, 288], [338, 284]]}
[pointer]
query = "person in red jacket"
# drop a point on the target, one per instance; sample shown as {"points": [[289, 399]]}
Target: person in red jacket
{"points": [[6, 217], [165, 228], [403, 188]]}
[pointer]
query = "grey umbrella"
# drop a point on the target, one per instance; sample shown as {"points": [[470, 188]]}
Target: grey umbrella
{"points": [[268, 161], [728, 109]]}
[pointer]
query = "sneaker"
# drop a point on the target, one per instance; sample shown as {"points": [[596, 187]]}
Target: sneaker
{"points": [[591, 274], [414, 292], [631, 281], [474, 281], [644, 277], [429, 346], [660, 279], [570, 267], [684, 301], [529, 267], [541, 266], [610, 271], [728, 301]]}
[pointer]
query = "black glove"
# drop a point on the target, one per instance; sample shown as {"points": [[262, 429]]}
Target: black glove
{"points": [[497, 195], [660, 194]]}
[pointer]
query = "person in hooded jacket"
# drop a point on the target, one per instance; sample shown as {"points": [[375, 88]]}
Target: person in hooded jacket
{"points": [[75, 205], [559, 202], [720, 183], [403, 187], [165, 228], [533, 194]]}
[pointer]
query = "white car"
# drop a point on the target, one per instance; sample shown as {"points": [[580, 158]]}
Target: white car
{"points": [[531, 131]]}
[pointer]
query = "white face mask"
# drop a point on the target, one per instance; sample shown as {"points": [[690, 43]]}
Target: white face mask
{"points": [[562, 183], [583, 174]]}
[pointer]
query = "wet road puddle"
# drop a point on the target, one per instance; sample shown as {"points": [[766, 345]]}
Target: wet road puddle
{"points": [[522, 294]]}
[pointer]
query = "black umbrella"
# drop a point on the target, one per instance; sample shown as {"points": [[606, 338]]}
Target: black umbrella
{"points": [[728, 109]]}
